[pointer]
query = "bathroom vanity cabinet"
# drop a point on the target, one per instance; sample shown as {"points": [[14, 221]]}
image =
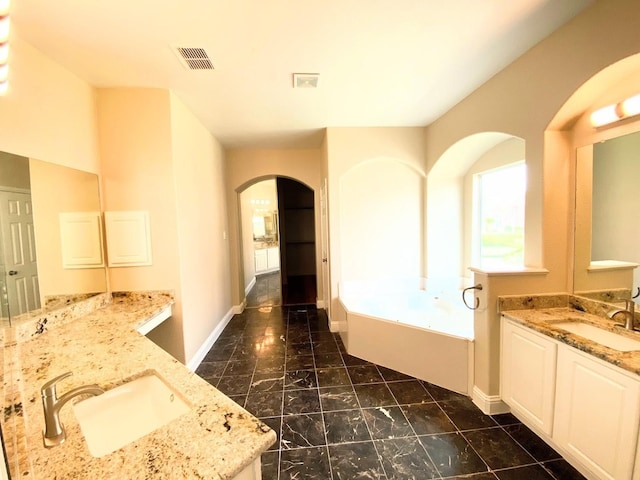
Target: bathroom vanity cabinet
{"points": [[586, 408], [267, 259]]}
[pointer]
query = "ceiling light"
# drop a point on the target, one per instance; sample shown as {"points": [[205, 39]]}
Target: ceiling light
{"points": [[605, 115], [305, 80], [4, 72], [631, 106], [4, 53], [4, 86], [4, 28], [4, 7]]}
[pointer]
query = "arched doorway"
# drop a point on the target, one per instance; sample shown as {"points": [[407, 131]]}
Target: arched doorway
{"points": [[277, 216]]}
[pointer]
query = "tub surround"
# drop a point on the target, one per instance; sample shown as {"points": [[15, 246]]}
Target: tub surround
{"points": [[536, 311], [215, 439]]}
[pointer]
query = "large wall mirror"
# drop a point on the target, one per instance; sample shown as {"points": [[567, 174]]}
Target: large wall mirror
{"points": [[33, 274], [607, 227]]}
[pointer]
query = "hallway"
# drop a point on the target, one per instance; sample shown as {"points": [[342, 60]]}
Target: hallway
{"points": [[340, 417]]}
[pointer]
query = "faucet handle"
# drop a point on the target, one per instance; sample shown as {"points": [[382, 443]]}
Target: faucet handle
{"points": [[49, 388]]}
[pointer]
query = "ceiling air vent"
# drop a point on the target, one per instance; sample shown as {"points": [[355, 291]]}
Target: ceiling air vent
{"points": [[194, 58], [305, 80]]}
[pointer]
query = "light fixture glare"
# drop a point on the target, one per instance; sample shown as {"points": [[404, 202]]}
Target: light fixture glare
{"points": [[4, 28], [4, 86], [4, 72], [4, 53], [4, 7], [605, 115], [631, 106]]}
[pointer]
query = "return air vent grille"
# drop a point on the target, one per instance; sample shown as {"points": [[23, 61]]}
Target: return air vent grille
{"points": [[194, 58]]}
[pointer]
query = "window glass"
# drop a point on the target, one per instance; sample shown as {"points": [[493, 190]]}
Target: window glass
{"points": [[500, 195]]}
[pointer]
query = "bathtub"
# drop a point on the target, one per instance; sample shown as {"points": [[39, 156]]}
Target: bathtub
{"points": [[403, 326]]}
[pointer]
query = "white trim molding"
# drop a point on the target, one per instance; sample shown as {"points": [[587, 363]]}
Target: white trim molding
{"points": [[208, 343], [489, 404]]}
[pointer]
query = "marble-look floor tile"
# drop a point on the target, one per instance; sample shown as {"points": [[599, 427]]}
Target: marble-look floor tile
{"points": [[269, 365], [297, 379], [391, 375], [477, 476], [301, 431], [325, 346], [364, 374], [561, 470], [531, 472], [351, 361], [374, 395], [211, 369], [533, 444], [452, 454], [325, 360], [299, 348], [497, 448], [219, 354], [299, 362], [506, 419], [267, 382], [442, 394], [305, 464], [428, 418], [409, 391], [301, 401], [387, 422], [404, 459], [270, 465], [355, 461], [465, 415], [234, 385], [264, 404], [240, 367], [330, 377], [346, 426], [338, 398]]}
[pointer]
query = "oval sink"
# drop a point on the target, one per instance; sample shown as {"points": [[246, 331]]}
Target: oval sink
{"points": [[599, 335], [126, 413]]}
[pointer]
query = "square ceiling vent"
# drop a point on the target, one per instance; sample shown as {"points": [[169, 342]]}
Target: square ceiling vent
{"points": [[305, 80], [193, 58]]}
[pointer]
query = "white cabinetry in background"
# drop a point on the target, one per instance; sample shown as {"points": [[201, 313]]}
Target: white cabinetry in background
{"points": [[529, 374], [586, 408], [267, 259]]}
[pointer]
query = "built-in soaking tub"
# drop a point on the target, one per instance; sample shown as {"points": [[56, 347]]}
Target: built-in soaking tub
{"points": [[400, 325]]}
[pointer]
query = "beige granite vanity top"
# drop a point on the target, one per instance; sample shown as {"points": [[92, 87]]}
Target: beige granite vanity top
{"points": [[538, 319], [215, 440]]}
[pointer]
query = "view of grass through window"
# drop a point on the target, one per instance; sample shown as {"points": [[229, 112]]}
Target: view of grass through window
{"points": [[501, 195]]}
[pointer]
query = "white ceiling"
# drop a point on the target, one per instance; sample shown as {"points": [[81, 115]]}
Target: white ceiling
{"points": [[381, 62]]}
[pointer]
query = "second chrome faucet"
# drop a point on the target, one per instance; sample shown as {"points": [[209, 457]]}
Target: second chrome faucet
{"points": [[54, 433]]}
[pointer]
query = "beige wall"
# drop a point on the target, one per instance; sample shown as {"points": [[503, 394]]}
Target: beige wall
{"points": [[246, 166], [137, 174], [48, 113], [349, 147], [203, 246], [522, 100]]}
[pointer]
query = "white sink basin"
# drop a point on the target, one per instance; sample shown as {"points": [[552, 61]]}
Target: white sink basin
{"points": [[599, 335], [126, 413]]}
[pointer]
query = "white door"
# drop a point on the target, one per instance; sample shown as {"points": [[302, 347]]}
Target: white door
{"points": [[19, 252]]}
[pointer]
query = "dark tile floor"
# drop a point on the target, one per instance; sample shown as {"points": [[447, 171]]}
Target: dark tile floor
{"points": [[339, 417]]}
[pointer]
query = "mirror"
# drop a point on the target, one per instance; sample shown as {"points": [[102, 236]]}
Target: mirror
{"points": [[33, 274], [607, 229]]}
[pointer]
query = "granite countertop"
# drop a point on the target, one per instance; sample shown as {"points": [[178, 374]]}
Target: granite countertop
{"points": [[216, 439], [542, 320]]}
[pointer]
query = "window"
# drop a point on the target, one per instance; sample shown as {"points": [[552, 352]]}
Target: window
{"points": [[499, 216]]}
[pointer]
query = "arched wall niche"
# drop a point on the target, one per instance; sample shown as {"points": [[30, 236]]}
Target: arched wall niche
{"points": [[381, 220]]}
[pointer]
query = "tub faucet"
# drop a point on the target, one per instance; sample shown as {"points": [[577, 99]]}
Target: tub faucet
{"points": [[54, 433], [629, 314]]}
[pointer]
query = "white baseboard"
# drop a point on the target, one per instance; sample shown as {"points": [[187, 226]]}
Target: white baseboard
{"points": [[319, 303], [208, 343], [489, 404], [250, 286], [238, 309], [337, 326]]}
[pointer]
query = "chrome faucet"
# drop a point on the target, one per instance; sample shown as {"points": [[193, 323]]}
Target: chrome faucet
{"points": [[629, 314], [54, 433]]}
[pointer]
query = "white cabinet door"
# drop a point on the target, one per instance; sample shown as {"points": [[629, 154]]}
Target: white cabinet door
{"points": [[597, 414], [273, 258], [528, 371], [261, 260]]}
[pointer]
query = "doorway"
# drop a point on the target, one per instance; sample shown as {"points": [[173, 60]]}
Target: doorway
{"points": [[297, 242], [278, 242]]}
